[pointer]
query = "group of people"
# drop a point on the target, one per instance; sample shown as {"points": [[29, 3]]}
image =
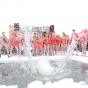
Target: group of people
{"points": [[42, 43], [52, 44]]}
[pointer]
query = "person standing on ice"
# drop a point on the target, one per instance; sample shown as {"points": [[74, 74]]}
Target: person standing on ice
{"points": [[75, 38], [22, 43], [4, 42], [83, 40]]}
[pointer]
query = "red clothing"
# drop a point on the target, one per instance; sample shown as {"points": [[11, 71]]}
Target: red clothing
{"points": [[63, 40], [74, 37], [53, 40], [68, 40], [83, 40], [36, 46], [46, 41], [50, 39], [22, 40], [58, 41], [14, 42], [40, 44]]}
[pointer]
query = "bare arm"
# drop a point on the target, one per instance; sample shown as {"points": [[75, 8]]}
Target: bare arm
{"points": [[7, 39]]}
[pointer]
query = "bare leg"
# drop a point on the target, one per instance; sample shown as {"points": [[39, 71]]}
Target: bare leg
{"points": [[50, 49], [16, 49], [58, 48], [11, 48], [62, 48], [65, 48], [20, 48], [55, 49], [0, 49], [41, 50], [82, 49], [47, 49], [44, 49], [24, 50], [76, 50], [6, 46]]}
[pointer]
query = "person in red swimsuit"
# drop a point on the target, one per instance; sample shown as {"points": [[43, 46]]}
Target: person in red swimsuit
{"points": [[4, 43], [50, 45], [58, 42], [40, 45], [63, 43], [46, 44], [68, 41], [33, 41], [83, 40], [75, 37], [53, 43], [22, 43], [36, 45], [14, 42]]}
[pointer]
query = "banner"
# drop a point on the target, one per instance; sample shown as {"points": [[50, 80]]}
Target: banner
{"points": [[26, 28]]}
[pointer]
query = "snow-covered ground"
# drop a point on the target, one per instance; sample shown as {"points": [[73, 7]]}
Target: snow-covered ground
{"points": [[64, 83], [5, 59]]}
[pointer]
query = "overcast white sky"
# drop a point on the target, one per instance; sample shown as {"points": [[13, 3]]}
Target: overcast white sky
{"points": [[64, 14]]}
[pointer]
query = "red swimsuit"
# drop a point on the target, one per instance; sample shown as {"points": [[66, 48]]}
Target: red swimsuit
{"points": [[63, 40], [83, 39], [58, 41], [68, 41], [46, 41], [36, 45], [53, 40], [74, 37], [22, 40], [40, 44], [14, 42]]}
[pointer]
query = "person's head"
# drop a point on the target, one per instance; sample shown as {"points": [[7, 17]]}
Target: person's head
{"points": [[64, 35], [23, 34], [53, 34], [3, 33], [16, 34], [50, 35], [67, 35], [34, 34], [46, 35], [13, 35], [58, 36], [83, 32], [73, 31]]}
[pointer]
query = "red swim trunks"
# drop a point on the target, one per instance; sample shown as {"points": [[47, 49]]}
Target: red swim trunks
{"points": [[14, 43]]}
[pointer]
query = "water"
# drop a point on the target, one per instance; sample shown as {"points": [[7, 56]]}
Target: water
{"points": [[15, 74], [43, 69]]}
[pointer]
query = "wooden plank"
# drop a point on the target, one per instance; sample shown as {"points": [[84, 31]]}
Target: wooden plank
{"points": [[47, 29]]}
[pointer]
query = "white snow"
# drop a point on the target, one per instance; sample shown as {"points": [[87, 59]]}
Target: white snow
{"points": [[5, 59]]}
